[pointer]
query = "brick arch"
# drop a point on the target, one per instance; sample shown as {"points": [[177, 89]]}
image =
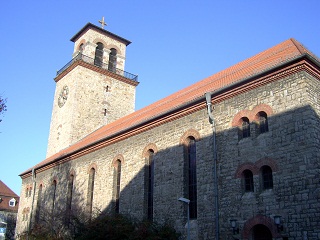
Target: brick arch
{"points": [[250, 166], [55, 178], [118, 157], [255, 167], [72, 172], [92, 165], [26, 210], [151, 146], [109, 46], [187, 134], [269, 162], [40, 185], [83, 41], [260, 219], [236, 122], [261, 108], [95, 41]]}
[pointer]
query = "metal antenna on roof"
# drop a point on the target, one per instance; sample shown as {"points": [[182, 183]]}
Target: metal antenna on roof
{"points": [[103, 23]]}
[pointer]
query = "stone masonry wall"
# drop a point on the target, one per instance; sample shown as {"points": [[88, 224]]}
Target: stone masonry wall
{"points": [[288, 148]]}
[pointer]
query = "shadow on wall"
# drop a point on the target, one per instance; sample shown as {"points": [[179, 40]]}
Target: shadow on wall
{"points": [[288, 148]]}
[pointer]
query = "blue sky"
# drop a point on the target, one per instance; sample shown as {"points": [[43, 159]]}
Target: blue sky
{"points": [[174, 43]]}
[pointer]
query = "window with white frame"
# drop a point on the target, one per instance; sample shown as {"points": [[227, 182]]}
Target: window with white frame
{"points": [[12, 202]]}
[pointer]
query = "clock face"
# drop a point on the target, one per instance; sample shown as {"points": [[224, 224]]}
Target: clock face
{"points": [[63, 96]]}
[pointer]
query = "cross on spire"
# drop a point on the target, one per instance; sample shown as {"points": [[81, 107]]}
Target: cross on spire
{"points": [[103, 23]]}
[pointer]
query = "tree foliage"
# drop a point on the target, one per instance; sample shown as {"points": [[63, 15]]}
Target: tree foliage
{"points": [[3, 106]]}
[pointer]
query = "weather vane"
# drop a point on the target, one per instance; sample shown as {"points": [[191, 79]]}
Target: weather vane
{"points": [[103, 23]]}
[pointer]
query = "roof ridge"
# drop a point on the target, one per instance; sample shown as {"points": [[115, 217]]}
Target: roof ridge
{"points": [[298, 45]]}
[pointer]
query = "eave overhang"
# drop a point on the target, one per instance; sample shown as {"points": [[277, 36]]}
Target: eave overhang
{"points": [[100, 30]]}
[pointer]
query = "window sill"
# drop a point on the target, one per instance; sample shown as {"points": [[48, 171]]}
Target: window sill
{"points": [[247, 195], [267, 192]]}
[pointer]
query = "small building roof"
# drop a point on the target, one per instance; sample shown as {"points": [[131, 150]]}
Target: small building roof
{"points": [[6, 194], [276, 56], [6, 191]]}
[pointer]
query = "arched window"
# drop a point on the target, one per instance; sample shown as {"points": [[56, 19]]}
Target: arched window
{"points": [[248, 180], [90, 190], [30, 191], [244, 130], [149, 175], [69, 195], [266, 175], [117, 181], [25, 213], [54, 190], [81, 47], [98, 57], [192, 176], [39, 204], [263, 122], [112, 60]]}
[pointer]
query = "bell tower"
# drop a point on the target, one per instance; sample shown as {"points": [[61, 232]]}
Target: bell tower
{"points": [[92, 89]]}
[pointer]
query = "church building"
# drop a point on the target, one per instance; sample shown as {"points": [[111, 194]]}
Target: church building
{"points": [[233, 156]]}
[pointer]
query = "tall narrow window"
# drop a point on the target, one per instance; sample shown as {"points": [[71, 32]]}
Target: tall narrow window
{"points": [[118, 181], [267, 179], [112, 60], [69, 196], [192, 177], [98, 58], [116, 185], [244, 130], [149, 183], [39, 204], [54, 189], [248, 181], [90, 190], [263, 122]]}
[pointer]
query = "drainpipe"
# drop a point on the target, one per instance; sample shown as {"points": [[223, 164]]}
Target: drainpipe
{"points": [[33, 192], [215, 174]]}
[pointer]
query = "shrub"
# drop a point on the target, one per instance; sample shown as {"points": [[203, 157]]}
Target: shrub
{"points": [[105, 226]]}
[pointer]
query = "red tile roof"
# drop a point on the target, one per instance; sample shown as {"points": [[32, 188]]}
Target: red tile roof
{"points": [[6, 191], [267, 59]]}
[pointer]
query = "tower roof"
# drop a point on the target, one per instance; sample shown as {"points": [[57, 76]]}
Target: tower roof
{"points": [[100, 30], [272, 58]]}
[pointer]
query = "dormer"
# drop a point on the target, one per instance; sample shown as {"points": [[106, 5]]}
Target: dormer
{"points": [[12, 202]]}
